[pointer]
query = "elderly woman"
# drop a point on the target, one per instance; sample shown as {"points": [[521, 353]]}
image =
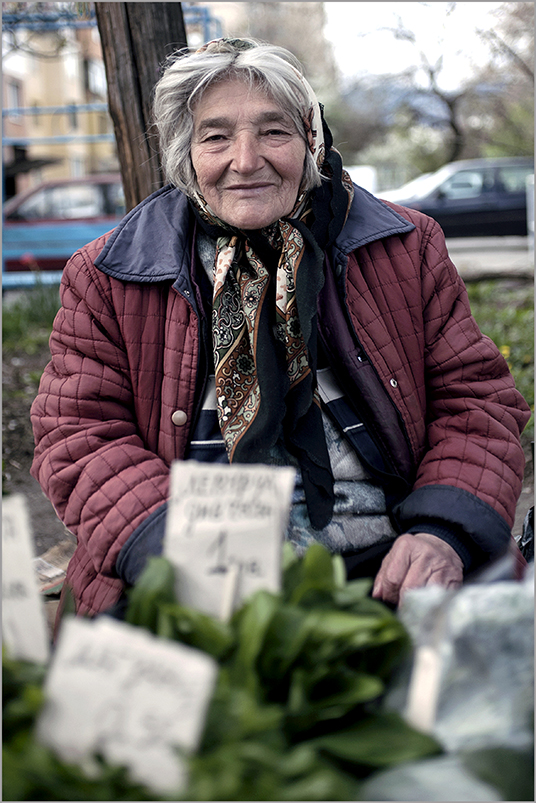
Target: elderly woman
{"points": [[261, 308]]}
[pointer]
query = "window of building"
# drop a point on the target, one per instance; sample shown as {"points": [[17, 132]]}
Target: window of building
{"points": [[77, 167], [96, 77], [14, 97]]}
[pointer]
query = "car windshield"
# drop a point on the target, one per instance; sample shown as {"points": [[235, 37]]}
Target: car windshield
{"points": [[421, 185], [63, 203], [72, 201]]}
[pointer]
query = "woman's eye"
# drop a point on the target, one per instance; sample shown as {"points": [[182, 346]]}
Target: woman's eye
{"points": [[276, 132], [214, 138]]}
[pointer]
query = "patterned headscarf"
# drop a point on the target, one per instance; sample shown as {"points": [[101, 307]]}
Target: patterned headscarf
{"points": [[266, 285]]}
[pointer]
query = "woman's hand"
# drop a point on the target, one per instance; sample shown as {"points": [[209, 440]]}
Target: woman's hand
{"points": [[415, 561]]}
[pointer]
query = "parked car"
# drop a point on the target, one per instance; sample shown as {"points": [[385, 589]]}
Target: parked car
{"points": [[472, 198], [45, 225]]}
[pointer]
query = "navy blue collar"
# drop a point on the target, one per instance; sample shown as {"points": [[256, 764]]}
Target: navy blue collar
{"points": [[369, 219], [152, 242]]}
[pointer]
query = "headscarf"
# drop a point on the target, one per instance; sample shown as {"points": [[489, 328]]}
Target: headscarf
{"points": [[264, 330]]}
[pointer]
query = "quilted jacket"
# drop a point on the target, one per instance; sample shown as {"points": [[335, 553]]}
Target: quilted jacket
{"points": [[118, 400]]}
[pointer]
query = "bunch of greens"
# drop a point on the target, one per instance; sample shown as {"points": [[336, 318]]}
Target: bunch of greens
{"points": [[296, 714], [297, 710]]}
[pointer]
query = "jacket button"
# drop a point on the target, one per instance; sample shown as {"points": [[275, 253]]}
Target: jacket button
{"points": [[393, 383], [179, 418]]}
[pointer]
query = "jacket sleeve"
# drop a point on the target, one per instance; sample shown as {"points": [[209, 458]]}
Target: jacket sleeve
{"points": [[470, 473], [89, 458]]}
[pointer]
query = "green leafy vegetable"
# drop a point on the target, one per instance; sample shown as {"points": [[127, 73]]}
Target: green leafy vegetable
{"points": [[379, 741], [155, 587], [296, 713]]}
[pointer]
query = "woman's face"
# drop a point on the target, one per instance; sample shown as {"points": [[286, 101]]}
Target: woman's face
{"points": [[247, 155]]}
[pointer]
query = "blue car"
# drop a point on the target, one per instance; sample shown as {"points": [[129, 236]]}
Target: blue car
{"points": [[44, 226], [472, 198]]}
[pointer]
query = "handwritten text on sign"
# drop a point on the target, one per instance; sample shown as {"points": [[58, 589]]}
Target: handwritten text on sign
{"points": [[226, 521], [116, 690], [24, 627]]}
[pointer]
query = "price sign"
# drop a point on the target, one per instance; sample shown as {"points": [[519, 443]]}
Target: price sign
{"points": [[224, 531], [24, 626], [119, 691]]}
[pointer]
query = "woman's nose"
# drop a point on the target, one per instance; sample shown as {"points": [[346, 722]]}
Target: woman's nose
{"points": [[246, 153]]}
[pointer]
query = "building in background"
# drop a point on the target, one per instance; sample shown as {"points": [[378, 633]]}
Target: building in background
{"points": [[55, 120]]}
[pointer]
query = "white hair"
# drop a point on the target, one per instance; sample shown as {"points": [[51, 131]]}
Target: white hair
{"points": [[274, 69]]}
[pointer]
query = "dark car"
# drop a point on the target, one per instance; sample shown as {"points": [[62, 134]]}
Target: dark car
{"points": [[472, 198], [44, 226]]}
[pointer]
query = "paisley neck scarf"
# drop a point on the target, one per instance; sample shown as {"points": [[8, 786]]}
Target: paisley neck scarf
{"points": [[266, 285]]}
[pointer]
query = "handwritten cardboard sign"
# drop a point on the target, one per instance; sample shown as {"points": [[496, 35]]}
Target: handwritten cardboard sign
{"points": [[24, 626], [224, 531], [119, 691]]}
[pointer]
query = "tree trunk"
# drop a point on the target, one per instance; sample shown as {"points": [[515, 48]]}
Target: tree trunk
{"points": [[136, 39], [457, 143]]}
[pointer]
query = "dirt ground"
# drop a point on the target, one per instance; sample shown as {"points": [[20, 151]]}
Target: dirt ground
{"points": [[20, 377], [19, 387]]}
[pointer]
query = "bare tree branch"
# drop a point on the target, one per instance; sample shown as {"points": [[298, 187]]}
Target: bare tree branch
{"points": [[503, 48]]}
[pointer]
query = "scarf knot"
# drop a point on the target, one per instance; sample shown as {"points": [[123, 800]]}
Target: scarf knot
{"points": [[264, 297]]}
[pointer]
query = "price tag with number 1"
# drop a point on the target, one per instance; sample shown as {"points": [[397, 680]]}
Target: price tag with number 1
{"points": [[225, 529]]}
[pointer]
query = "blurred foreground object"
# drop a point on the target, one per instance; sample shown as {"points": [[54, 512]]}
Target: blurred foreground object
{"points": [[483, 638], [526, 541]]}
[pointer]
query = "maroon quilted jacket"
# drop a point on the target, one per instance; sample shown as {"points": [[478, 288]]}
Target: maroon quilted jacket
{"points": [[118, 399]]}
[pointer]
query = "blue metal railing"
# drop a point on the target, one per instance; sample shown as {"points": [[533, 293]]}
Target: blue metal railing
{"points": [[47, 21], [53, 21], [19, 280], [69, 108], [60, 139]]}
